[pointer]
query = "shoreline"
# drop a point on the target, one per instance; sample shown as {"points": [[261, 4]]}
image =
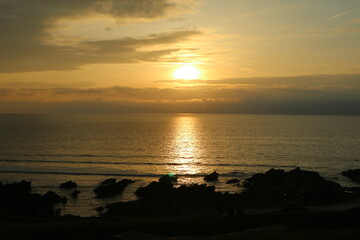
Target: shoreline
{"points": [[201, 211], [77, 207], [340, 224]]}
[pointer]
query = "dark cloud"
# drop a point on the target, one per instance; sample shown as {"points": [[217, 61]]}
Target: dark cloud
{"points": [[339, 80], [338, 94], [25, 26], [334, 107]]}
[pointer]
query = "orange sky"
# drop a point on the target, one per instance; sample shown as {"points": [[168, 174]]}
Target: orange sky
{"points": [[117, 52]]}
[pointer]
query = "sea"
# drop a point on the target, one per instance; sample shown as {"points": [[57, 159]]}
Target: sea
{"points": [[89, 148]]}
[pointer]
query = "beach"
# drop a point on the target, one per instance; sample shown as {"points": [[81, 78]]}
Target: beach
{"points": [[48, 149], [294, 209], [179, 120], [178, 176]]}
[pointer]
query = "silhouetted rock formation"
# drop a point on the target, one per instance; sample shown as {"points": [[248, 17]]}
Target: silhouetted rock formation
{"points": [[354, 175], [163, 198], [154, 189], [212, 177], [109, 181], [75, 194], [294, 191], [100, 209], [168, 178], [15, 190], [53, 198], [277, 187], [16, 199], [110, 189], [68, 185], [231, 181], [355, 191]]}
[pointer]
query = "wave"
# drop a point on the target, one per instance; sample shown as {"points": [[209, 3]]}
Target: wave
{"points": [[85, 162], [82, 155], [152, 163], [102, 174], [98, 156], [139, 175]]}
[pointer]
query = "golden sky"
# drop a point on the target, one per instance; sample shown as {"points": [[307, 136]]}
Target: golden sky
{"points": [[258, 56]]}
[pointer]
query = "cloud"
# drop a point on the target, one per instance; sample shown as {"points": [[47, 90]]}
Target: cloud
{"points": [[324, 94], [342, 14], [25, 28], [348, 29], [339, 80], [257, 106]]}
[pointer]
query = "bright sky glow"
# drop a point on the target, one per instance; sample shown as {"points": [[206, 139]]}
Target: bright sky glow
{"points": [[259, 55], [187, 73]]}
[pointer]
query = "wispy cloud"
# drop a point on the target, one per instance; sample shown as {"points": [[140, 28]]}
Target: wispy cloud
{"points": [[38, 57], [25, 26], [342, 14], [348, 29], [339, 80]]}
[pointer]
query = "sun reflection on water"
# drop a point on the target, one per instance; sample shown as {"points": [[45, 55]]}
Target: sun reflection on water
{"points": [[186, 146]]}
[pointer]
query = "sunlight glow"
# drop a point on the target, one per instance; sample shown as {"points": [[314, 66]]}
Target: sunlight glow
{"points": [[187, 73], [186, 149]]}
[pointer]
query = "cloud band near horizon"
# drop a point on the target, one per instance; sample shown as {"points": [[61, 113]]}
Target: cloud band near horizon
{"points": [[322, 94]]}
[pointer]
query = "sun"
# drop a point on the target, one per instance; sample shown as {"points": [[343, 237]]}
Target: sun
{"points": [[187, 73]]}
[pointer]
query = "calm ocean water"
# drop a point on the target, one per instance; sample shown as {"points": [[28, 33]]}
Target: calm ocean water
{"points": [[51, 149]]}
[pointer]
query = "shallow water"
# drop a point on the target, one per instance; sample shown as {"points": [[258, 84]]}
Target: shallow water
{"points": [[50, 149]]}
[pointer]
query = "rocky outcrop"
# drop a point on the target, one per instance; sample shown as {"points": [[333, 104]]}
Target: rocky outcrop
{"points": [[232, 181], [108, 181], [68, 185], [75, 194], [168, 178], [111, 188], [155, 189], [15, 190], [293, 191], [353, 174], [17, 199], [162, 198], [277, 187], [100, 209], [212, 177], [53, 198]]}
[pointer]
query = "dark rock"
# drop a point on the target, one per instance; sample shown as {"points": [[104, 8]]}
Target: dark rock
{"points": [[107, 190], [68, 185], [354, 191], [168, 178], [57, 212], [295, 206], [353, 174], [154, 189], [15, 190], [52, 198], [212, 177], [134, 234], [16, 199], [234, 180], [161, 198], [100, 209], [71, 216], [292, 191], [109, 181], [277, 187], [75, 194]]}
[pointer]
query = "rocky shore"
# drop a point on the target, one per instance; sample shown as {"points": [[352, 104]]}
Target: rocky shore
{"points": [[275, 203]]}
